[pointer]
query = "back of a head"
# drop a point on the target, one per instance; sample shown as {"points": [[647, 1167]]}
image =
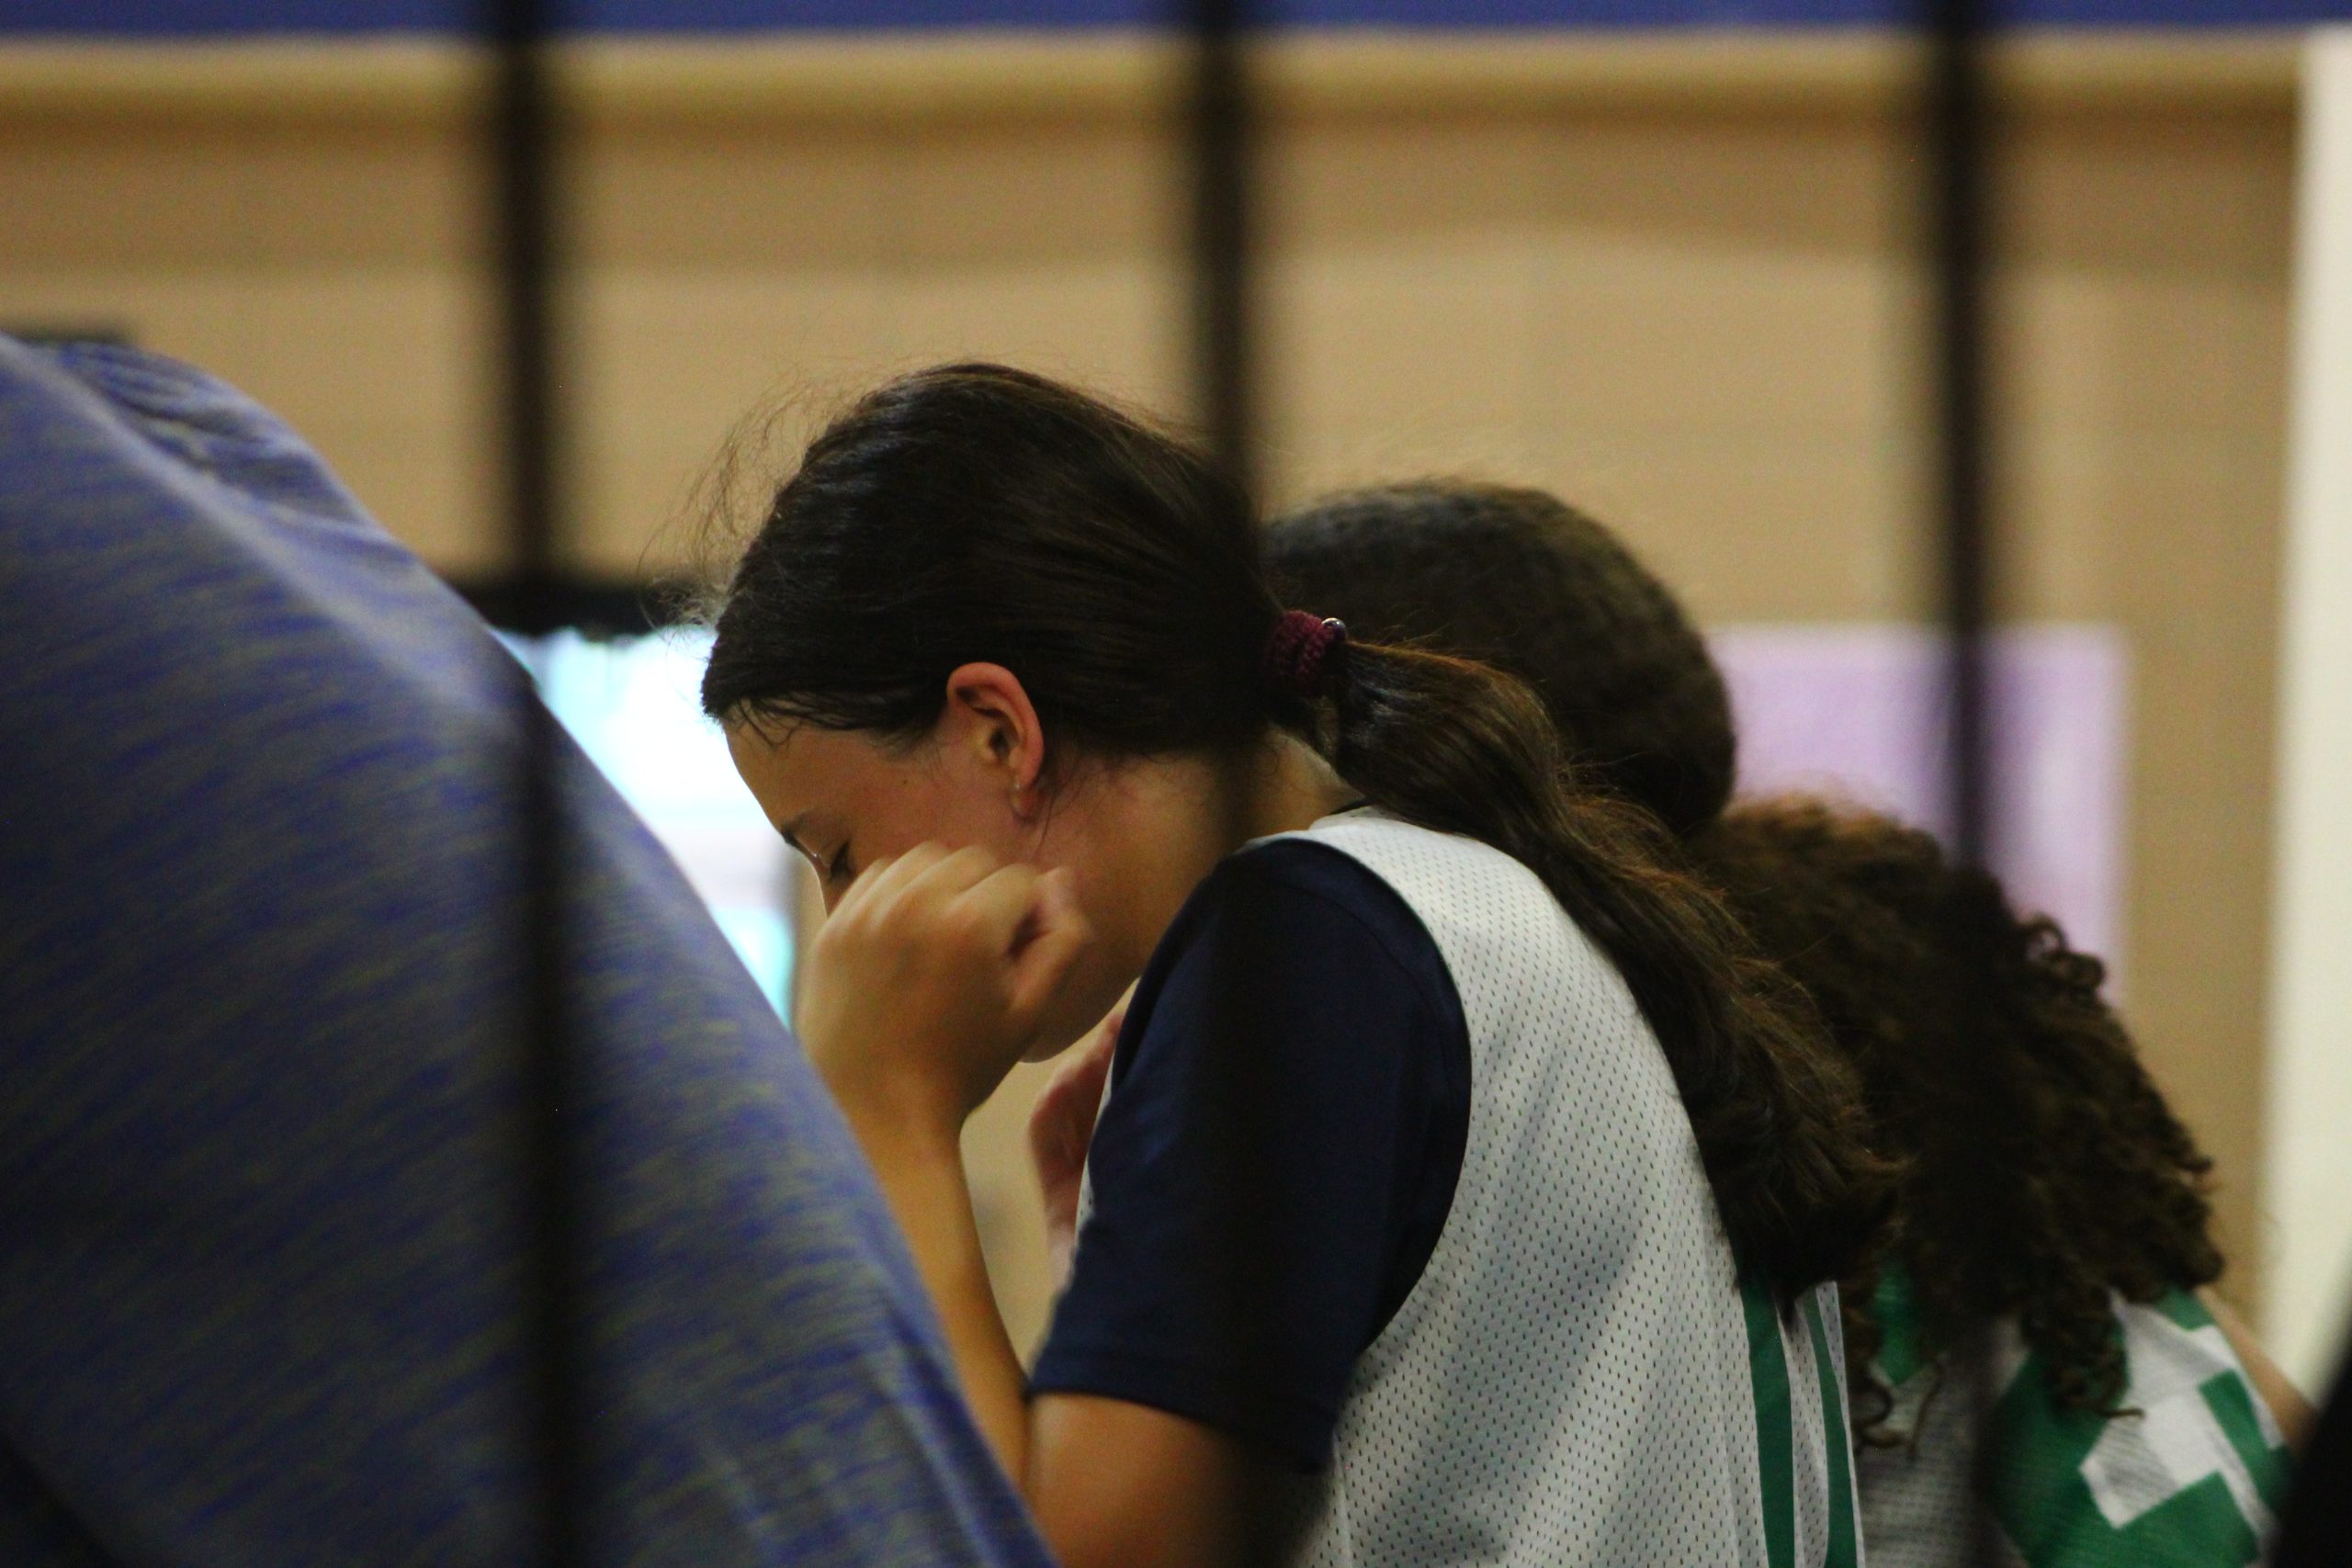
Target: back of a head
{"points": [[2084, 1183], [1517, 578]]}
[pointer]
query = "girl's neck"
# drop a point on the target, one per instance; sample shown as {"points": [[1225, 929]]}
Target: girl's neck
{"points": [[1160, 826], [1288, 786]]}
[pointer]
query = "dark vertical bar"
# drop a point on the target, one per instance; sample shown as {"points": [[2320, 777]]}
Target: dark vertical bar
{"points": [[525, 251], [1234, 1108], [1222, 130], [524, 223], [1959, 209], [1957, 123]]}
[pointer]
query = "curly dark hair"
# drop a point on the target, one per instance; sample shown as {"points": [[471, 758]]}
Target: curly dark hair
{"points": [[1926, 975], [1519, 580]]}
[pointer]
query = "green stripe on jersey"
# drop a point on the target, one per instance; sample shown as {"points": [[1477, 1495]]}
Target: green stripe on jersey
{"points": [[1767, 1372], [1842, 1531], [2231, 1396], [1901, 1356], [2231, 1399]]}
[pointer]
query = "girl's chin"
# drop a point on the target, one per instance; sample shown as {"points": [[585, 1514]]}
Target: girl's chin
{"points": [[1078, 1023], [1053, 1042]]}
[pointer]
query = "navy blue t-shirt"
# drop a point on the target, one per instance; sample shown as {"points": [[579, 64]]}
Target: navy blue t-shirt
{"points": [[1288, 1107]]}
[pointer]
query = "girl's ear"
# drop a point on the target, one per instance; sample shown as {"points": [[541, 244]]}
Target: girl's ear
{"points": [[988, 722]]}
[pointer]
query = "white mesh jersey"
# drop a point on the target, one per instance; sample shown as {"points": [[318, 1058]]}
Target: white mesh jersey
{"points": [[1577, 1377]]}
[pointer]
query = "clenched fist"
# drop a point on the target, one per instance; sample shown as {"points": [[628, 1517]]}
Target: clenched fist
{"points": [[931, 980]]}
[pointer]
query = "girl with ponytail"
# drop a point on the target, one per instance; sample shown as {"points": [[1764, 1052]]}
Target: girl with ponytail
{"points": [[1465, 1189]]}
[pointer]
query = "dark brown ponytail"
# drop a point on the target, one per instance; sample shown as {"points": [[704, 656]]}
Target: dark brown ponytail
{"points": [[1461, 748]]}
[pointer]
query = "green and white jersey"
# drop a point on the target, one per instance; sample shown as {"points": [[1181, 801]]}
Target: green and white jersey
{"points": [[2189, 1475], [1576, 1378]]}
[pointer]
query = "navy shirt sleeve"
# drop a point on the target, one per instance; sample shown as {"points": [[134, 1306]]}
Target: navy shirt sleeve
{"points": [[1288, 1108]]}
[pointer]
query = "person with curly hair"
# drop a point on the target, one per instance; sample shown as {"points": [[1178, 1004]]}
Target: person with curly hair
{"points": [[2055, 1219], [2051, 1250]]}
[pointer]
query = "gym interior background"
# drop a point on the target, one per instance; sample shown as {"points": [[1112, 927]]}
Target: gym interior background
{"points": [[1670, 270]]}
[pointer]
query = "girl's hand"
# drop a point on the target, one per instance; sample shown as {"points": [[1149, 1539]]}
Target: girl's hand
{"points": [[928, 983], [1061, 1129]]}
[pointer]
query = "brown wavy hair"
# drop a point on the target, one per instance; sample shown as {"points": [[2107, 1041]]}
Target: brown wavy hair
{"points": [[975, 512], [2084, 1181]]}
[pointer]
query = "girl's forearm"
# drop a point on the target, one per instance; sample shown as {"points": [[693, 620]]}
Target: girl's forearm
{"points": [[921, 1172]]}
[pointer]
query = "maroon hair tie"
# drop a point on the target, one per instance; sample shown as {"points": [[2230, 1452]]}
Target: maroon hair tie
{"points": [[1303, 654]]}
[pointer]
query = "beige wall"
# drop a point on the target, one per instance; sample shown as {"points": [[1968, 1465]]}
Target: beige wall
{"points": [[1672, 280]]}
